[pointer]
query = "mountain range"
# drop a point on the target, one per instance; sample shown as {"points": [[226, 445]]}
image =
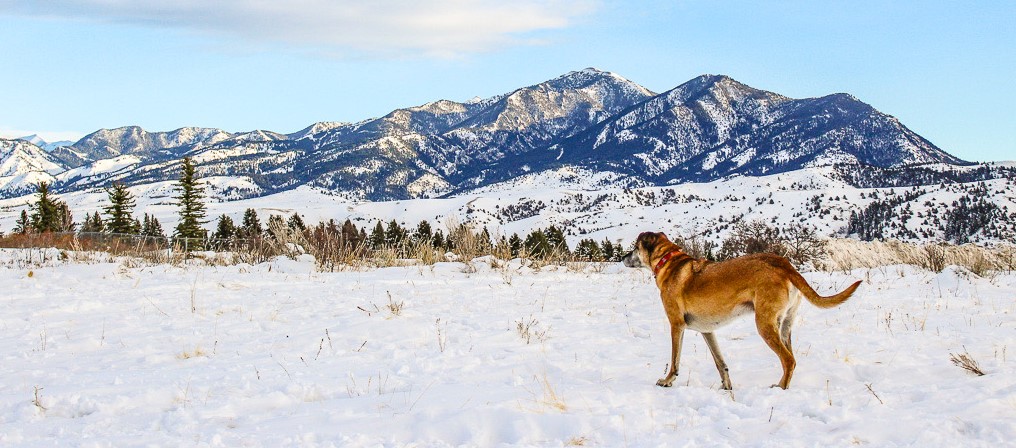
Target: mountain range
{"points": [[588, 121]]}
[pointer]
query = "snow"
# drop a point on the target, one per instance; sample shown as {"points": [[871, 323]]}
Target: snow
{"points": [[119, 353], [605, 211]]}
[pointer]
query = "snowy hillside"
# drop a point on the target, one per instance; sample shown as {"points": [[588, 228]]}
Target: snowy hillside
{"points": [[277, 354], [585, 205], [22, 166]]}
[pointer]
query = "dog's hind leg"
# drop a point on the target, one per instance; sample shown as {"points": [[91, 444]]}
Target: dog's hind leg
{"points": [[721, 365], [787, 320], [768, 328], [676, 338]]}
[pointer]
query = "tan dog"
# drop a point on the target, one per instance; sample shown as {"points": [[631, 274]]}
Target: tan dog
{"points": [[703, 296]]}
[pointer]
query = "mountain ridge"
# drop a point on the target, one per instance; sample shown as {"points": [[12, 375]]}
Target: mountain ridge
{"points": [[709, 127]]}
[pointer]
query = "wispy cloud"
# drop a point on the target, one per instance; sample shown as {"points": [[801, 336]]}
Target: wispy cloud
{"points": [[345, 27]]}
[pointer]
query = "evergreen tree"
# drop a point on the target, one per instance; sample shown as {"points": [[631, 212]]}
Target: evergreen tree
{"points": [[86, 225], [515, 244], [296, 224], [377, 236], [46, 212], [556, 240], [485, 244], [395, 235], [423, 232], [225, 230], [151, 227], [23, 225], [536, 244], [439, 239], [588, 250], [610, 251], [192, 209], [119, 210], [250, 227], [97, 225]]}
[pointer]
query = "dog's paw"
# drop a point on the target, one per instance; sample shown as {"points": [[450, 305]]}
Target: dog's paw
{"points": [[663, 382]]}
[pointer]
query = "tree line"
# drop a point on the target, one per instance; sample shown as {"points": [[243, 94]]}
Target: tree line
{"points": [[119, 219], [48, 214]]}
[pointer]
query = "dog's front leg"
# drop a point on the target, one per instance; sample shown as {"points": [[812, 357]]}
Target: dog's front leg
{"points": [[676, 337]]}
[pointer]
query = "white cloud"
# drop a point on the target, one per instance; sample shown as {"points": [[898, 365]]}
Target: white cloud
{"points": [[345, 27]]}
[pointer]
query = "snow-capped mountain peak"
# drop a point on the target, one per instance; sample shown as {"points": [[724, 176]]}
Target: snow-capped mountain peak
{"points": [[584, 121]]}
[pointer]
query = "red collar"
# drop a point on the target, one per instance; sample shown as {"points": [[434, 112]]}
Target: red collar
{"points": [[664, 260]]}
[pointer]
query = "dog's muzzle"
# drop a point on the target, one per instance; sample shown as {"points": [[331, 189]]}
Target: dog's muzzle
{"points": [[632, 260]]}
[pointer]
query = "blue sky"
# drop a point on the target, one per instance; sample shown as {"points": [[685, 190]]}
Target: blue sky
{"points": [[945, 69]]}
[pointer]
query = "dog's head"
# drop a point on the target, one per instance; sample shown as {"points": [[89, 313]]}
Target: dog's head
{"points": [[645, 244]]}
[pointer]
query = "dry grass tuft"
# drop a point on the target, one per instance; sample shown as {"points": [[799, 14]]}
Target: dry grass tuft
{"points": [[966, 362]]}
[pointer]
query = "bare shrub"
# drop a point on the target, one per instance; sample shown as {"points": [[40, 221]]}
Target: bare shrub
{"points": [[933, 258], [803, 245], [752, 238], [696, 246]]}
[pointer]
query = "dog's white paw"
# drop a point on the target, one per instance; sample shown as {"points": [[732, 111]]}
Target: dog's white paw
{"points": [[663, 382]]}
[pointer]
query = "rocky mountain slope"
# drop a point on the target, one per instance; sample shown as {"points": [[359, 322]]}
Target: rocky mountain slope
{"points": [[594, 121]]}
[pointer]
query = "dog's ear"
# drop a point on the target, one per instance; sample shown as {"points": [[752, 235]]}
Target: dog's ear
{"points": [[648, 240]]}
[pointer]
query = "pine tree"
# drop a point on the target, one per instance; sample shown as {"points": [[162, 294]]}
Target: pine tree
{"points": [[515, 244], [86, 225], [423, 232], [556, 240], [23, 225], [296, 224], [250, 227], [119, 210], [439, 240], [588, 250], [608, 249], [485, 241], [225, 230], [151, 227], [46, 212], [395, 235], [537, 245], [377, 236], [192, 209], [93, 224]]}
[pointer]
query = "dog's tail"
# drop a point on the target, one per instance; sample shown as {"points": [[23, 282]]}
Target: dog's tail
{"points": [[822, 301]]}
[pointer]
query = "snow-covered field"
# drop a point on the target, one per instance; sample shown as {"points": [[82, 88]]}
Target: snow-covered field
{"points": [[482, 354]]}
